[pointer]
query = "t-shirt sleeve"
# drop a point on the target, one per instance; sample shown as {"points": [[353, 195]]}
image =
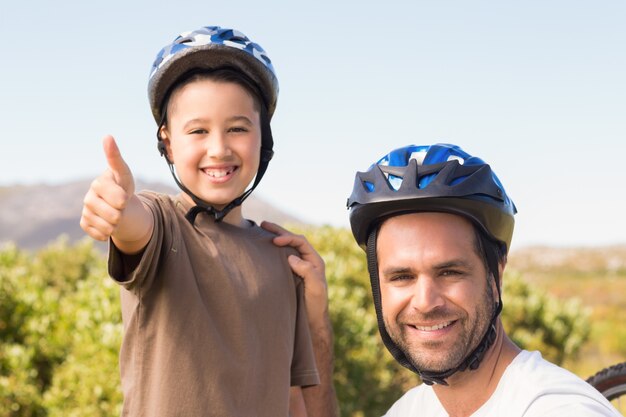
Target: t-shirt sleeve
{"points": [[303, 369], [135, 272]]}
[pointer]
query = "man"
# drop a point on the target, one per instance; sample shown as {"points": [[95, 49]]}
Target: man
{"points": [[437, 224]]}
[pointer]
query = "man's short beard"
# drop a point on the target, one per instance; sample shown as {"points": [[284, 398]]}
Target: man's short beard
{"points": [[467, 341]]}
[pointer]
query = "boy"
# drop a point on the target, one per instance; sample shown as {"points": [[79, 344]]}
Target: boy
{"points": [[214, 319]]}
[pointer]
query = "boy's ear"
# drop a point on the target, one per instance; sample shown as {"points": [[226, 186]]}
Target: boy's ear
{"points": [[164, 145]]}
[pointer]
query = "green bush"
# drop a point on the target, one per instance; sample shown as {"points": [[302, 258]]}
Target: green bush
{"points": [[60, 330], [367, 378], [536, 321]]}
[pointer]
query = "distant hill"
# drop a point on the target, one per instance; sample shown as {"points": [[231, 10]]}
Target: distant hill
{"points": [[33, 215]]}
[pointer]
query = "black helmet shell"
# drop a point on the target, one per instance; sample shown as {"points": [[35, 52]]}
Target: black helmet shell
{"points": [[435, 178]]}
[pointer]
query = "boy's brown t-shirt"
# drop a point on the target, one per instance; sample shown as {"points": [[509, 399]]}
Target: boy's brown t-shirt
{"points": [[214, 320]]}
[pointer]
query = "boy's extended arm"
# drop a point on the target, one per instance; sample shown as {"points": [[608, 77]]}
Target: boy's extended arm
{"points": [[320, 400], [111, 208]]}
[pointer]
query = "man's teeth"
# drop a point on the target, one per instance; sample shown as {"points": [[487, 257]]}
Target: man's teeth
{"points": [[215, 173], [435, 327]]}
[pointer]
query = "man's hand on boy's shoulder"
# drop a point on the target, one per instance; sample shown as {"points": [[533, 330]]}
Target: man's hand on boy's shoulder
{"points": [[320, 400], [310, 266], [111, 208]]}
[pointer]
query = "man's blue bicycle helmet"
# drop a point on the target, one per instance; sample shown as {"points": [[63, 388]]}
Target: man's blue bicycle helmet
{"points": [[432, 178], [440, 177], [213, 48]]}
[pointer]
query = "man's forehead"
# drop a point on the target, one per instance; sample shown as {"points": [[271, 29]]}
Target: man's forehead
{"points": [[416, 220], [426, 233]]}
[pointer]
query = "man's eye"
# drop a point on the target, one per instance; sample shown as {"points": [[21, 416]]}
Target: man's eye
{"points": [[397, 278]]}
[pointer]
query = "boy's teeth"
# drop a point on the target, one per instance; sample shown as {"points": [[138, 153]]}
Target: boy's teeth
{"points": [[218, 173], [435, 327]]}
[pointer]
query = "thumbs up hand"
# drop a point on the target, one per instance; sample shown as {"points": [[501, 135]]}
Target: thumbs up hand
{"points": [[111, 208], [121, 174]]}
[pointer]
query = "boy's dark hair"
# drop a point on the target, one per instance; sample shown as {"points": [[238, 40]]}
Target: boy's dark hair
{"points": [[223, 74]]}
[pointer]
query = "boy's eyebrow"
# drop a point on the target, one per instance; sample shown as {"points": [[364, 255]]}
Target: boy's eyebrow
{"points": [[194, 120], [237, 118], [240, 118]]}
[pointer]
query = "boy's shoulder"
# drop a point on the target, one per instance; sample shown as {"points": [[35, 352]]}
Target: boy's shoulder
{"points": [[171, 204], [156, 196], [163, 201]]}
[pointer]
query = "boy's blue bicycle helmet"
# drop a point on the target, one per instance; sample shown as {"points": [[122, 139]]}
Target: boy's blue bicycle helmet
{"points": [[206, 49], [211, 47], [435, 178]]}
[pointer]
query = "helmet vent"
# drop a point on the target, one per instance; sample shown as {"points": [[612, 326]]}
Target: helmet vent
{"points": [[456, 158], [419, 156]]}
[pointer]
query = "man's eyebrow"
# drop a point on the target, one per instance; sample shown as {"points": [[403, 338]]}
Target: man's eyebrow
{"points": [[452, 263], [391, 270]]}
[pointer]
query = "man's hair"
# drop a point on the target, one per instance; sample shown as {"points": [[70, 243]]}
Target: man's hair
{"points": [[488, 248]]}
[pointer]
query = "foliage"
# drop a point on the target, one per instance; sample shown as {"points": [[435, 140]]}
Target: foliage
{"points": [[60, 330], [536, 321], [596, 276], [59, 322], [367, 378]]}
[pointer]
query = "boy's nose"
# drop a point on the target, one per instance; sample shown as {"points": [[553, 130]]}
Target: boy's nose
{"points": [[217, 146]]}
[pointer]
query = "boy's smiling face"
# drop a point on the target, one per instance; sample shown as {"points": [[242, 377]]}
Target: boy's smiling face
{"points": [[213, 138]]}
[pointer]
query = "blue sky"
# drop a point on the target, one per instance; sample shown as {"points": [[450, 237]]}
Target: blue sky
{"points": [[535, 88]]}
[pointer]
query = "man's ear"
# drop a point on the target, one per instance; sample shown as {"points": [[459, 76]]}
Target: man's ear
{"points": [[501, 267], [494, 289]]}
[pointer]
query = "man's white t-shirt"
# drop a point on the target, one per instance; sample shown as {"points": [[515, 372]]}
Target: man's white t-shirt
{"points": [[529, 387]]}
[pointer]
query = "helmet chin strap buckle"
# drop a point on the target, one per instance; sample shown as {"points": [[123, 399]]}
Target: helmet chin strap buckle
{"points": [[431, 380]]}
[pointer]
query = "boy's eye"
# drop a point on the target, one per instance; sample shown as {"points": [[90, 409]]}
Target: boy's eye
{"points": [[237, 129], [198, 131]]}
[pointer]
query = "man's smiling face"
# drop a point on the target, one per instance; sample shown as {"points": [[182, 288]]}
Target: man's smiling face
{"points": [[437, 301]]}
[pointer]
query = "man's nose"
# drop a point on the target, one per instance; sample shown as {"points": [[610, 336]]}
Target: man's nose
{"points": [[427, 294]]}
